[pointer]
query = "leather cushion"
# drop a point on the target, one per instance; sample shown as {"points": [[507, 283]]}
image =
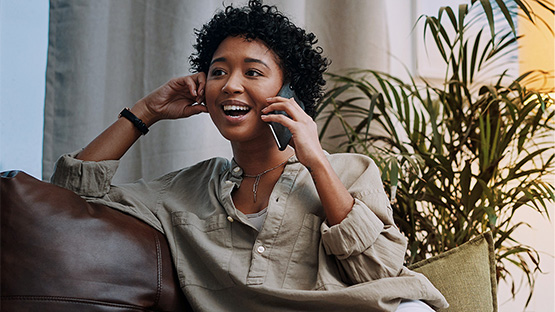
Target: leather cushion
{"points": [[60, 253]]}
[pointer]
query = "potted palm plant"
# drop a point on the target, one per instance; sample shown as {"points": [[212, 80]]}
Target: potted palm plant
{"points": [[461, 157]]}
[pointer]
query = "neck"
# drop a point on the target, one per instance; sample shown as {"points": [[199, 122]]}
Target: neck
{"points": [[256, 158]]}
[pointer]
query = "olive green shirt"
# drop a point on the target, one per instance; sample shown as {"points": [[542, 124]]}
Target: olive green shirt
{"points": [[296, 262]]}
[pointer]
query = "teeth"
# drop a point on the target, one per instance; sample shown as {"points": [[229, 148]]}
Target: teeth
{"points": [[236, 108]]}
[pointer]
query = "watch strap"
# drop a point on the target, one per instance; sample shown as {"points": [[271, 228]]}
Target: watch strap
{"points": [[137, 122]]}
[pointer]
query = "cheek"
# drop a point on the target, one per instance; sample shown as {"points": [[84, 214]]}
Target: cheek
{"points": [[259, 99], [261, 93]]}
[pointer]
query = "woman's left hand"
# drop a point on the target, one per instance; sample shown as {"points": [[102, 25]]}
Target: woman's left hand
{"points": [[304, 130], [336, 200]]}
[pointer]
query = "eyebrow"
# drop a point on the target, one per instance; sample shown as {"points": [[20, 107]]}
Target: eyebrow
{"points": [[219, 59], [253, 60], [247, 60]]}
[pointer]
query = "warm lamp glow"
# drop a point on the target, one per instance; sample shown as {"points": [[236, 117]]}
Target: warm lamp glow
{"points": [[536, 51]]}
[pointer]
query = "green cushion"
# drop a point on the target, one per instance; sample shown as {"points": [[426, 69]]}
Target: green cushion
{"points": [[465, 275]]}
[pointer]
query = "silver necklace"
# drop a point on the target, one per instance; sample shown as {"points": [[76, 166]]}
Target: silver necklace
{"points": [[258, 176]]}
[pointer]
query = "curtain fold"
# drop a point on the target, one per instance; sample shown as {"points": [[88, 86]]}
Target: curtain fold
{"points": [[105, 55]]}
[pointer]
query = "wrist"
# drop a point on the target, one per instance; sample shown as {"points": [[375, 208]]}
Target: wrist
{"points": [[137, 122], [319, 164], [336, 199], [142, 112]]}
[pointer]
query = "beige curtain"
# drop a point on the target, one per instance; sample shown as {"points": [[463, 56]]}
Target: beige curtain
{"points": [[105, 55]]}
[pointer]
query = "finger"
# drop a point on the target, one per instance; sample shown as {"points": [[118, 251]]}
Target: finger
{"points": [[197, 109], [281, 119], [279, 99], [276, 99], [290, 107], [191, 84], [201, 78], [200, 100], [183, 84]]}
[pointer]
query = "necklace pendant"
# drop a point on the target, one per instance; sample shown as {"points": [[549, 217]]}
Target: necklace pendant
{"points": [[257, 179], [255, 187]]}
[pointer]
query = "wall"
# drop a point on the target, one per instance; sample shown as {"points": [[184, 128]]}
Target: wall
{"points": [[23, 43]]}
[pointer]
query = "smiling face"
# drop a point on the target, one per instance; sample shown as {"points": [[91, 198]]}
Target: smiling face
{"points": [[242, 75]]}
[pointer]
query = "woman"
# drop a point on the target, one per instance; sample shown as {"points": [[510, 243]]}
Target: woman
{"points": [[270, 230]]}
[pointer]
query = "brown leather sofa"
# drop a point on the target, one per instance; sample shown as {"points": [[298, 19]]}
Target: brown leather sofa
{"points": [[60, 253]]}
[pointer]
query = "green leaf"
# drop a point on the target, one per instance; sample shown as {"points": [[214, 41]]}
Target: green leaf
{"points": [[463, 11], [433, 24], [394, 176], [486, 5], [492, 217], [507, 15], [465, 185], [473, 58], [524, 8]]}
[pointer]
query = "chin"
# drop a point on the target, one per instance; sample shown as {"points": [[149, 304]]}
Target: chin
{"points": [[261, 136]]}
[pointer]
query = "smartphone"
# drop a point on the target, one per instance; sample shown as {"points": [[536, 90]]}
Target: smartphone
{"points": [[282, 135]]}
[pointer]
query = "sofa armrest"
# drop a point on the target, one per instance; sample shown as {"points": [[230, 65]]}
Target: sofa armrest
{"points": [[61, 253]]}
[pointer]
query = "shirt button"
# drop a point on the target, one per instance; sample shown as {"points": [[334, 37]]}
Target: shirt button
{"points": [[229, 218], [236, 169], [228, 182], [260, 249]]}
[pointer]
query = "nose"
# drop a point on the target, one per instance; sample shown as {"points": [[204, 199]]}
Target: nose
{"points": [[233, 85]]}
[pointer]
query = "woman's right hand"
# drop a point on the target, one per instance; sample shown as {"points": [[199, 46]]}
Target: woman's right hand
{"points": [[178, 98]]}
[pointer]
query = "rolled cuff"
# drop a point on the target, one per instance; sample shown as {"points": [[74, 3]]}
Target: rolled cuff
{"points": [[355, 234], [86, 178]]}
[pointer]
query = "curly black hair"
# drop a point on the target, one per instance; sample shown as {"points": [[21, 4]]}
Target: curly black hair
{"points": [[302, 63]]}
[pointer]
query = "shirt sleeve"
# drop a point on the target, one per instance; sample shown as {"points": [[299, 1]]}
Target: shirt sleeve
{"points": [[92, 181], [86, 178], [367, 243]]}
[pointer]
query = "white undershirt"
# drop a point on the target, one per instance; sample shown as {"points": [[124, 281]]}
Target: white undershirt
{"points": [[257, 219]]}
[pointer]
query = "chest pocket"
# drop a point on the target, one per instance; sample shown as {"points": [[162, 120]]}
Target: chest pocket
{"points": [[304, 260], [204, 250]]}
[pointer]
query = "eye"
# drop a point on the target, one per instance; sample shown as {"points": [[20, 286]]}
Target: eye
{"points": [[253, 73], [217, 72]]}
